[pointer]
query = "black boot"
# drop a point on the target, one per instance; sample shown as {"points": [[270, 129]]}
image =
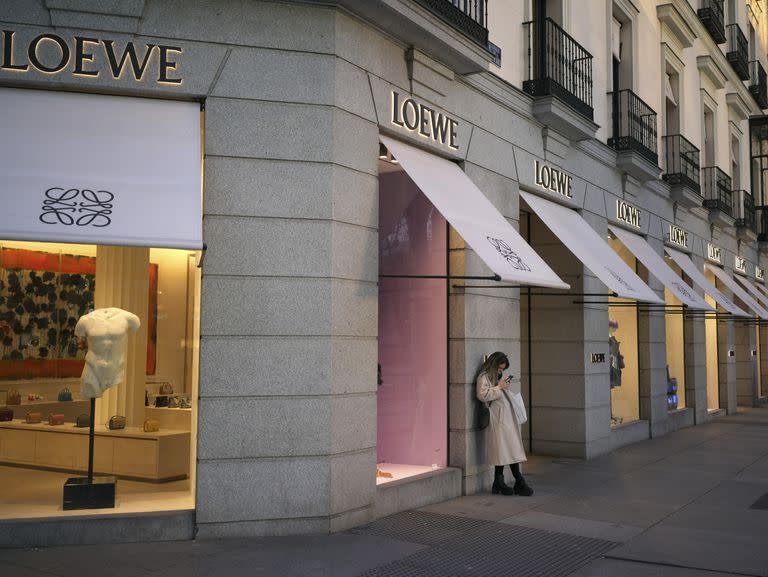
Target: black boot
{"points": [[521, 487], [499, 486]]}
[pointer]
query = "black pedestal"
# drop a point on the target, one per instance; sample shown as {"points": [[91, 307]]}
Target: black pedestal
{"points": [[84, 493]]}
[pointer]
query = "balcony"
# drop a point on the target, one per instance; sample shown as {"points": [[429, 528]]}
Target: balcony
{"points": [[737, 51], [711, 16], [682, 170], [560, 77], [718, 196], [758, 85], [468, 16], [746, 224], [761, 220], [634, 135]]}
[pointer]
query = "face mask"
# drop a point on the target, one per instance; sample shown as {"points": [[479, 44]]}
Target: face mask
{"points": [[500, 374]]}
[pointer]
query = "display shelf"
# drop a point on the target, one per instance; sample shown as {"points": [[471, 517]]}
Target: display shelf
{"points": [[70, 409], [131, 453]]}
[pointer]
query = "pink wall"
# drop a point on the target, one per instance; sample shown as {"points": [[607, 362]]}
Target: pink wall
{"points": [[413, 330]]}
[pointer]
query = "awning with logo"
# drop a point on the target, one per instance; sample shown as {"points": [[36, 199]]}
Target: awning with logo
{"points": [[698, 278], [95, 169], [582, 240], [736, 289], [473, 216], [658, 268], [759, 296]]}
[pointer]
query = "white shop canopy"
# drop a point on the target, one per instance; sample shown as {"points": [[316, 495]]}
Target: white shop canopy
{"points": [[658, 268], [736, 289], [752, 288], [473, 216], [582, 240], [698, 278], [93, 169]]}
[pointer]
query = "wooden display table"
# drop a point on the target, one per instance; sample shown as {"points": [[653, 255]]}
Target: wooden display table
{"points": [[70, 409], [129, 453]]}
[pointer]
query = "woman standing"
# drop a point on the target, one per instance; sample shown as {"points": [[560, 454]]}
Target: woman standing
{"points": [[504, 442]]}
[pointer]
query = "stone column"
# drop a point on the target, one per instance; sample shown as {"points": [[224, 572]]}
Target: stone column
{"points": [[696, 366], [122, 281]]}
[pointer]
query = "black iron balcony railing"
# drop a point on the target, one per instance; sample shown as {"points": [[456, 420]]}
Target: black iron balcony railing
{"points": [[758, 84], [737, 53], [682, 162], [634, 125], [761, 218], [711, 15], [558, 66], [745, 210], [468, 16], [717, 190]]}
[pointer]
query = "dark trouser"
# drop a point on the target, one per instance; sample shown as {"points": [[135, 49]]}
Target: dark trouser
{"points": [[498, 471]]}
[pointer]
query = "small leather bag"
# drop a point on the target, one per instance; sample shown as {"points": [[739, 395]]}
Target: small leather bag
{"points": [[83, 421], [161, 401], [6, 414], [65, 395], [56, 419], [173, 402], [14, 397], [166, 389], [116, 422], [151, 425], [35, 417]]}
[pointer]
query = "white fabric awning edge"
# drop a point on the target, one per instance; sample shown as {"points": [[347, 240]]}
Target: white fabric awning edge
{"points": [[734, 287]]}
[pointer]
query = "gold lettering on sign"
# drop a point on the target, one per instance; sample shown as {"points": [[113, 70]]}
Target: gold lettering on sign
{"points": [[714, 253], [552, 179], [423, 120], [627, 213], [678, 236], [759, 273], [740, 264]]}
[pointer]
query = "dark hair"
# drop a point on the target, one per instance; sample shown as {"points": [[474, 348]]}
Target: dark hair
{"points": [[491, 366]]}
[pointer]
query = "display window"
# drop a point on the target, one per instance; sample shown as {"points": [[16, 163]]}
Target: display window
{"points": [[412, 397], [66, 310], [713, 359], [622, 331], [675, 340]]}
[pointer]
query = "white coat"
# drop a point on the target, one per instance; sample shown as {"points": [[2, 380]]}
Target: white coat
{"points": [[504, 443]]}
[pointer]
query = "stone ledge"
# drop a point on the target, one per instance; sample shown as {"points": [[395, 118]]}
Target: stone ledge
{"points": [[628, 433], [553, 112], [636, 165], [417, 491]]}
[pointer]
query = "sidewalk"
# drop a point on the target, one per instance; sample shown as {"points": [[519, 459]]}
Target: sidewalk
{"points": [[692, 503]]}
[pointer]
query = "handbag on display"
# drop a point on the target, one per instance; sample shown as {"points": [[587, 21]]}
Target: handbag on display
{"points": [[116, 422], [166, 389], [184, 403], [161, 401], [174, 402], [35, 417], [14, 397], [6, 414], [151, 425], [56, 419], [65, 395], [83, 421]]}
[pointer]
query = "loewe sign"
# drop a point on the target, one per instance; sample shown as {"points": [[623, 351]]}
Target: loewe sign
{"points": [[425, 121], [714, 253], [84, 56], [550, 178], [678, 236], [759, 273], [740, 264], [628, 214]]}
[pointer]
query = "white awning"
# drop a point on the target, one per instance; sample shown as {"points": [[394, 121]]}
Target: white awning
{"points": [[94, 169], [582, 240], [658, 268], [473, 216], [698, 278], [751, 287], [734, 287]]}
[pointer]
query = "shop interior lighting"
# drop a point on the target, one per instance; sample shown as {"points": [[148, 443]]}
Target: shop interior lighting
{"points": [[386, 155]]}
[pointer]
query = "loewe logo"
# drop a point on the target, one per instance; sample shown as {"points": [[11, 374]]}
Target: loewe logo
{"points": [[714, 253], [550, 178], [424, 120], [50, 54], [627, 213], [62, 206], [510, 255], [678, 236]]}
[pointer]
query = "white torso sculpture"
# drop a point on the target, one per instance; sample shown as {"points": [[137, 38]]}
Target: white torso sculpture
{"points": [[106, 331]]}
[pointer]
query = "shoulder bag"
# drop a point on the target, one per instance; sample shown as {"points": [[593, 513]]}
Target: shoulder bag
{"points": [[56, 419], [518, 406], [83, 421], [65, 395], [33, 418], [116, 422], [151, 425], [6, 414], [14, 397]]}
